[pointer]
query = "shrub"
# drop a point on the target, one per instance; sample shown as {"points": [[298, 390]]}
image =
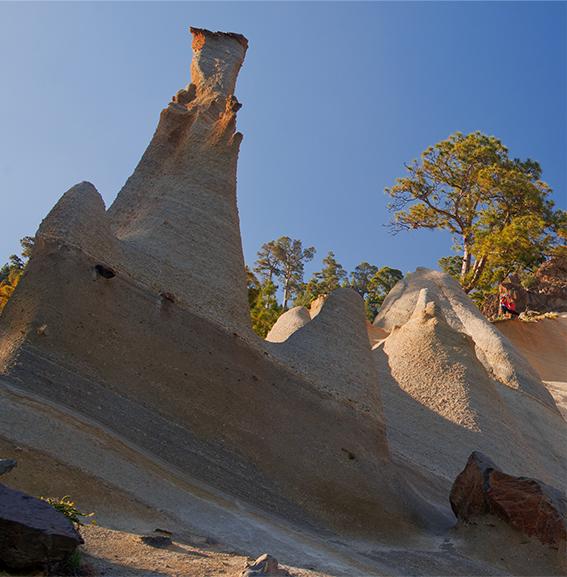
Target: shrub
{"points": [[68, 508]]}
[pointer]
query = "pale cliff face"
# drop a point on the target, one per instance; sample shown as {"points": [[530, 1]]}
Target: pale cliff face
{"points": [[177, 216]]}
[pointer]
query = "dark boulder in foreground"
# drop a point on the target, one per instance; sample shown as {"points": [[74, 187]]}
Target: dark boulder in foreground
{"points": [[530, 506], [32, 532]]}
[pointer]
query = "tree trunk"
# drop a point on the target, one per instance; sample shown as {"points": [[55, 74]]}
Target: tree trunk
{"points": [[466, 266], [477, 271], [285, 294]]}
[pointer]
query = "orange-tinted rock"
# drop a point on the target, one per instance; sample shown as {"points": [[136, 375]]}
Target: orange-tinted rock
{"points": [[528, 505]]}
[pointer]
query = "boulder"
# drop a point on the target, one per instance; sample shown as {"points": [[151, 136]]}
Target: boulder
{"points": [[530, 506], [291, 321], [32, 532], [6, 465], [264, 565]]}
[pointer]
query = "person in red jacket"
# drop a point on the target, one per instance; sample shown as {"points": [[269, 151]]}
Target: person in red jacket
{"points": [[507, 305]]}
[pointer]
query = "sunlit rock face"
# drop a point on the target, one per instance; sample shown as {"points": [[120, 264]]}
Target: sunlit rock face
{"points": [[496, 353], [137, 320], [333, 351], [452, 384], [176, 215], [288, 323]]}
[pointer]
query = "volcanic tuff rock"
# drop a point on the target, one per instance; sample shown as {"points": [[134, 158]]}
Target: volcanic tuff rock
{"points": [[445, 369], [288, 323], [336, 343], [496, 353], [137, 319], [544, 344], [176, 215]]}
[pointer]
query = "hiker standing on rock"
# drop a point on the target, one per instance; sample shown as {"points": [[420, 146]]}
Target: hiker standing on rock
{"points": [[507, 306]]}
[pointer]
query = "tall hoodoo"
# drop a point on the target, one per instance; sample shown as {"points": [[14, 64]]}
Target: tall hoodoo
{"points": [[177, 214], [216, 61]]}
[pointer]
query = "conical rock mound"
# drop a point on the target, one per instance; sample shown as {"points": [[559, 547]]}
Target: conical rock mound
{"points": [[495, 351], [291, 321], [334, 352], [441, 398], [79, 220]]}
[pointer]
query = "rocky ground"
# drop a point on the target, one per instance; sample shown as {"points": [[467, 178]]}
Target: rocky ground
{"points": [[123, 554]]}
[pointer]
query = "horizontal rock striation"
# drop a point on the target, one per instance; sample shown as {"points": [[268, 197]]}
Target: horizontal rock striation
{"points": [[136, 321]]}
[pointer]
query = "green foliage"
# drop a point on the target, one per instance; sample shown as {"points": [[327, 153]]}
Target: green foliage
{"points": [[373, 284], [330, 277], [381, 283], [72, 565], [253, 286], [284, 259], [369, 281], [498, 209], [264, 308], [69, 509], [451, 265], [12, 271], [361, 277]]}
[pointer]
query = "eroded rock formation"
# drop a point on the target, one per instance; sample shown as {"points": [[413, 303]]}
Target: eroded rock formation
{"points": [[137, 319], [547, 292], [134, 322], [461, 386], [496, 353], [333, 352], [288, 323], [177, 216]]}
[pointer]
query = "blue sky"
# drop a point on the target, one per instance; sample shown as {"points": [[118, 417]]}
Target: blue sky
{"points": [[337, 96]]}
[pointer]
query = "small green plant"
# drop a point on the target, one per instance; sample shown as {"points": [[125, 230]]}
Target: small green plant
{"points": [[72, 565], [68, 508]]}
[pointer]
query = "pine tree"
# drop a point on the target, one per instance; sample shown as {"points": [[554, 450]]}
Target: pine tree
{"points": [[285, 260]]}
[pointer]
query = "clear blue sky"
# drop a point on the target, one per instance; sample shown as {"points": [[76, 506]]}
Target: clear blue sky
{"points": [[337, 96]]}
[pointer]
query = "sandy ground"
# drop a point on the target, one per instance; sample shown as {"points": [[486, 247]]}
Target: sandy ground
{"points": [[122, 554]]}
